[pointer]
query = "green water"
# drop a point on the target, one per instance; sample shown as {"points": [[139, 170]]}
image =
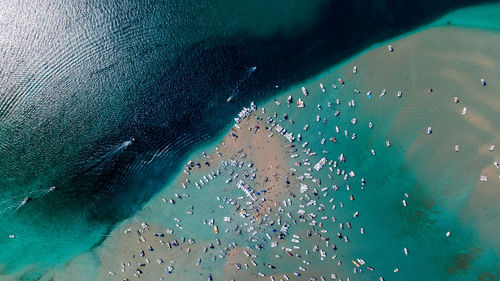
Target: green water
{"points": [[440, 183]]}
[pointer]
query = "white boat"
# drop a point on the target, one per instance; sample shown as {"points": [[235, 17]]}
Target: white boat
{"points": [[26, 199], [300, 103], [322, 87], [304, 90], [354, 69], [390, 48]]}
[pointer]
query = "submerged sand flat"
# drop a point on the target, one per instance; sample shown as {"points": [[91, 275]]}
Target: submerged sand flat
{"points": [[412, 210]]}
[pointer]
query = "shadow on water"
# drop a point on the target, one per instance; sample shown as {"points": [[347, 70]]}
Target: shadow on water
{"points": [[123, 168]]}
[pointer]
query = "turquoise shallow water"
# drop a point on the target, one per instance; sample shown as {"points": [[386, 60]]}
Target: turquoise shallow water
{"points": [[81, 114], [441, 184]]}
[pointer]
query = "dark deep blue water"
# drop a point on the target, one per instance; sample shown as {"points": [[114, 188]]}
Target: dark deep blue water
{"points": [[101, 99]]}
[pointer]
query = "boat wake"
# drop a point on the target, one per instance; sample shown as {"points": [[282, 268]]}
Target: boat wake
{"points": [[102, 160], [15, 203], [236, 90]]}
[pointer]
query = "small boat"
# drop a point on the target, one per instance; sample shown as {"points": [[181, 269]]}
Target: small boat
{"points": [[406, 251], [429, 130], [370, 125], [229, 99], [455, 99], [341, 81], [322, 87], [356, 263], [289, 99], [457, 148], [304, 90], [399, 94], [492, 147], [216, 229], [373, 152], [300, 103], [390, 48], [387, 143], [464, 111], [483, 82], [26, 200], [355, 69]]}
